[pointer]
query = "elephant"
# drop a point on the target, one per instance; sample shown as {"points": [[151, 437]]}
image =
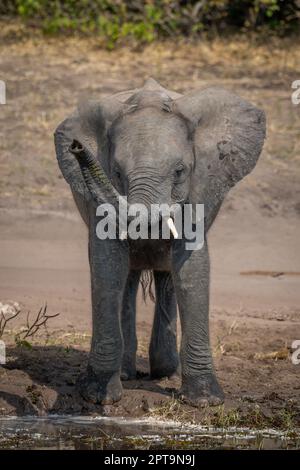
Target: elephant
{"points": [[152, 146]]}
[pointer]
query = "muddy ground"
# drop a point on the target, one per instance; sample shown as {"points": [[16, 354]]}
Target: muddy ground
{"points": [[254, 244]]}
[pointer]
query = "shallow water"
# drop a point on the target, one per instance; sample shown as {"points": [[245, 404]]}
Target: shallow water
{"points": [[80, 432]]}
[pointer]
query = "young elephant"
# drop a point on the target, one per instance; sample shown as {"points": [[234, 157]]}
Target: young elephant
{"points": [[155, 146]]}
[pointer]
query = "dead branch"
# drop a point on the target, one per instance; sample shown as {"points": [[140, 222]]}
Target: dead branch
{"points": [[4, 320], [40, 320], [31, 328]]}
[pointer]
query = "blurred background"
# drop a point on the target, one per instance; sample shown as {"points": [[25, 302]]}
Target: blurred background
{"points": [[115, 21], [54, 52]]}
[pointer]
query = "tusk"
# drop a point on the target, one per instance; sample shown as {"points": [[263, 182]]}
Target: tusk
{"points": [[123, 235], [172, 227]]}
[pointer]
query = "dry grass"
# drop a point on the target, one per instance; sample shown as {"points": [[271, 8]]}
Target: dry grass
{"points": [[281, 354], [172, 409], [224, 417], [222, 345], [53, 73], [250, 50]]}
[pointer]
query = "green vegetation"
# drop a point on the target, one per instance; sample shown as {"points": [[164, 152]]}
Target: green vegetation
{"points": [[145, 21]]}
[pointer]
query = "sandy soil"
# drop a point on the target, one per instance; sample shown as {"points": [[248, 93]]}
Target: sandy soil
{"points": [[254, 244]]}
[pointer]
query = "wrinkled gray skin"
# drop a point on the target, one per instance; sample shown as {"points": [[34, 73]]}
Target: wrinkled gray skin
{"points": [[155, 146]]}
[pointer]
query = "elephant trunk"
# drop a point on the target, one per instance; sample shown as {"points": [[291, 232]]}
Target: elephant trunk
{"points": [[103, 191], [145, 188], [95, 178]]}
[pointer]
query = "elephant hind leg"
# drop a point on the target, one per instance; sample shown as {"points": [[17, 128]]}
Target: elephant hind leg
{"points": [[163, 353], [129, 326]]}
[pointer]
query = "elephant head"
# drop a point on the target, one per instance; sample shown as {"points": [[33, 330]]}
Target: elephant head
{"points": [[156, 146]]}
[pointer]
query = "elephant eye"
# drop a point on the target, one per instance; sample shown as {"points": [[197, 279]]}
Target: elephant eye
{"points": [[179, 173], [118, 173]]}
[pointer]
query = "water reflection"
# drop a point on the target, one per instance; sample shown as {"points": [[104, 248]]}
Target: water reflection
{"points": [[79, 432]]}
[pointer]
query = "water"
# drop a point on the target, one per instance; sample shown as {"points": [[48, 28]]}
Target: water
{"points": [[80, 432]]}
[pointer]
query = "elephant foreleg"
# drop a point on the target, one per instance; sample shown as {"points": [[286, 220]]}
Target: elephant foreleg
{"points": [[191, 281], [109, 269]]}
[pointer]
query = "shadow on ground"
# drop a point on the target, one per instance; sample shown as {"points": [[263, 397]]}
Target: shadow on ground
{"points": [[43, 380]]}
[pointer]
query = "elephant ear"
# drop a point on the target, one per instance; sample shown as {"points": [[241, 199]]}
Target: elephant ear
{"points": [[89, 126], [229, 134]]}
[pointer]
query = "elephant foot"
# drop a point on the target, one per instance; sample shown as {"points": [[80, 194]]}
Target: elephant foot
{"points": [[201, 391], [128, 374], [128, 370], [104, 388], [165, 366]]}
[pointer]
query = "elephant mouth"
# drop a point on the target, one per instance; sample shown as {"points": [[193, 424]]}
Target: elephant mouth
{"points": [[163, 228]]}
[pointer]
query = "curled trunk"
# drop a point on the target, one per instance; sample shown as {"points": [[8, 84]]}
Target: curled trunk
{"points": [[95, 177], [102, 189]]}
